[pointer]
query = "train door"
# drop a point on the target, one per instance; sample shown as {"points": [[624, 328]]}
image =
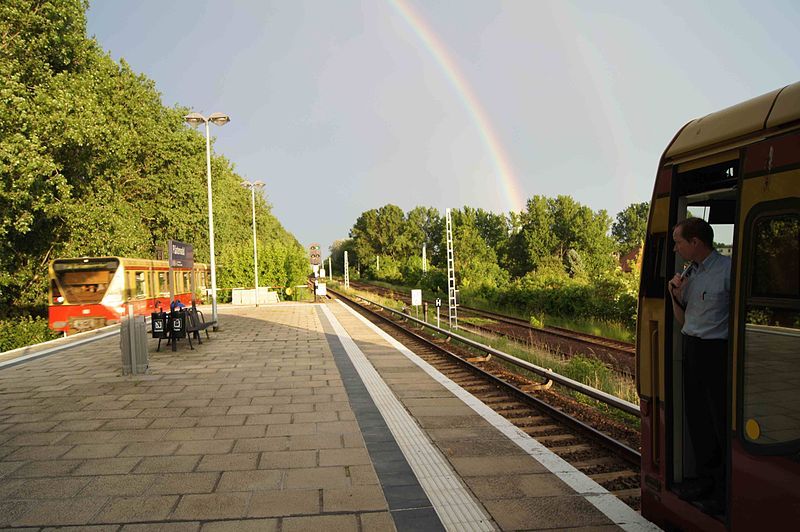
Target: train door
{"points": [[707, 191], [765, 457]]}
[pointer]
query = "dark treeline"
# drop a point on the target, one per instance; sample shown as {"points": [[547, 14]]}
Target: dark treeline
{"points": [[93, 163], [556, 257]]}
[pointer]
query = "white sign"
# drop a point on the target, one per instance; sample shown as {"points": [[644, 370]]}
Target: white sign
{"points": [[416, 298], [322, 290], [438, 302]]}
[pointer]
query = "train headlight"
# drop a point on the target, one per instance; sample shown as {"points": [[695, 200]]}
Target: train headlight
{"points": [[59, 299]]}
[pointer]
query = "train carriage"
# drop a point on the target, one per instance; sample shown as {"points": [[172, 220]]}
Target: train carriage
{"points": [[89, 292], [739, 169]]}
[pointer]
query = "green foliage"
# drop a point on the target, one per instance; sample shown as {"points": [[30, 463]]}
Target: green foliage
{"points": [[630, 227], [23, 331], [92, 163]]}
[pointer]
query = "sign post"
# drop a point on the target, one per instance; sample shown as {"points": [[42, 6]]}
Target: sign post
{"points": [[181, 255], [438, 306]]}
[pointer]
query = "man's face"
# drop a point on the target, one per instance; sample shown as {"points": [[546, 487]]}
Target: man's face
{"points": [[685, 248]]}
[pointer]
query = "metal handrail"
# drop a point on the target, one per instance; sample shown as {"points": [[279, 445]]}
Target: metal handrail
{"points": [[594, 393]]}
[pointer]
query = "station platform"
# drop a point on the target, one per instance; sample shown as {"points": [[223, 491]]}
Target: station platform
{"points": [[292, 417]]}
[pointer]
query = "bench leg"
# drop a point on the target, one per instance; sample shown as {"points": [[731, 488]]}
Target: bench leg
{"points": [[189, 337], [159, 346]]}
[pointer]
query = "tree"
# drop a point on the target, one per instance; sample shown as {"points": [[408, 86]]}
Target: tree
{"points": [[630, 226], [92, 163]]}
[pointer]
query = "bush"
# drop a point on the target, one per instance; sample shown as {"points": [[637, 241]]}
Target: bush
{"points": [[22, 331]]}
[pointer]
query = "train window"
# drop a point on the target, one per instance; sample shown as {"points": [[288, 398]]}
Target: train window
{"points": [[163, 284], [141, 285], [186, 284], [654, 266], [771, 398]]}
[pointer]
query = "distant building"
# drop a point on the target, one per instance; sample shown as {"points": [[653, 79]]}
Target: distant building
{"points": [[725, 250], [633, 257]]}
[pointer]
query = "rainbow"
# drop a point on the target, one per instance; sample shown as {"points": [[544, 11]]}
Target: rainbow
{"points": [[512, 191]]}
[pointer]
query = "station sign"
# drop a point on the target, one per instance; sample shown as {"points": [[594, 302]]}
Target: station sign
{"points": [[416, 298], [181, 255], [438, 302]]}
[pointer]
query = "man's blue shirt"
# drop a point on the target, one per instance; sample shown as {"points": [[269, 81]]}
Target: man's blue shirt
{"points": [[706, 294]]}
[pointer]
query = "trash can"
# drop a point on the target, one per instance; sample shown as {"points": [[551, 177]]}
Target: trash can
{"points": [[133, 344]]}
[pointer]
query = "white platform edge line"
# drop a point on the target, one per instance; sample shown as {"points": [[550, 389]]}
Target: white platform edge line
{"points": [[455, 505], [620, 513]]}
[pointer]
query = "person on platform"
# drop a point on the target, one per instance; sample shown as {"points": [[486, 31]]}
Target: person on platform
{"points": [[700, 302]]}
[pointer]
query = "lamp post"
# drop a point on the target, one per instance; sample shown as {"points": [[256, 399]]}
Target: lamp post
{"points": [[252, 186], [195, 119]]}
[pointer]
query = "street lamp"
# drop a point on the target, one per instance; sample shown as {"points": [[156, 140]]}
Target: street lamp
{"points": [[252, 186], [195, 119]]}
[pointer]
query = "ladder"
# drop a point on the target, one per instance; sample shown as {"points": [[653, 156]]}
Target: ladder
{"points": [[452, 305], [346, 272]]}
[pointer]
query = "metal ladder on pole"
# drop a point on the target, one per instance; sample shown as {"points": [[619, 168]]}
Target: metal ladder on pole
{"points": [[452, 304], [346, 272]]}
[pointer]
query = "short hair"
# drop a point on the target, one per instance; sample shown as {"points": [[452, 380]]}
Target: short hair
{"points": [[697, 228]]}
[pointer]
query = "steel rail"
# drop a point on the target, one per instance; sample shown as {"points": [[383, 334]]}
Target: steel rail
{"points": [[594, 393], [618, 448]]}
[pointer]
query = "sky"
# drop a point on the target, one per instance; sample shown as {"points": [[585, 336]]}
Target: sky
{"points": [[341, 106]]}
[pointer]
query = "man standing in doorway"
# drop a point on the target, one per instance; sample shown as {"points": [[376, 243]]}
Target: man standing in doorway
{"points": [[701, 301]]}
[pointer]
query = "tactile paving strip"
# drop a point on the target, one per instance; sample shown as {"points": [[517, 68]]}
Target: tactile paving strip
{"points": [[453, 503]]}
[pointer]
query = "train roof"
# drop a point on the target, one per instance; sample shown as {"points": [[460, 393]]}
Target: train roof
{"points": [[127, 261], [725, 128]]}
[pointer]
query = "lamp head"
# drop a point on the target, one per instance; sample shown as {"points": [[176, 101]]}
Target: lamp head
{"points": [[194, 119], [219, 119]]}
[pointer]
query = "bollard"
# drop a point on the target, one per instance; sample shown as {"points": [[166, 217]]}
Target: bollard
{"points": [[133, 344]]}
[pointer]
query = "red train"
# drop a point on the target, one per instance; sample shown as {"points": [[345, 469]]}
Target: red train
{"points": [[739, 169], [89, 292]]}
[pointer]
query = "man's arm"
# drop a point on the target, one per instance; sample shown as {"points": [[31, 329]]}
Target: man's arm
{"points": [[676, 292]]}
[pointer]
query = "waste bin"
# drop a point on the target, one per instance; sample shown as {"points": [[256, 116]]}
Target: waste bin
{"points": [[133, 344]]}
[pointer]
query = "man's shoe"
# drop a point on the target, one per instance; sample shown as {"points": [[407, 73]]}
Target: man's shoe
{"points": [[695, 489]]}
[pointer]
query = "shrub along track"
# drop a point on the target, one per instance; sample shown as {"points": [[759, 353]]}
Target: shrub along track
{"points": [[600, 447], [620, 356]]}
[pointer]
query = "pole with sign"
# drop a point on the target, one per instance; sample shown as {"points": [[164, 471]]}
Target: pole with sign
{"points": [[181, 255], [438, 306]]}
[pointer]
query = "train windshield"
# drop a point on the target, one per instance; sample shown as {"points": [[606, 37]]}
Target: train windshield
{"points": [[84, 281]]}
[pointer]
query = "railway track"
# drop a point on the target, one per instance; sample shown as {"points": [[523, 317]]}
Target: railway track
{"points": [[602, 449], [620, 356]]}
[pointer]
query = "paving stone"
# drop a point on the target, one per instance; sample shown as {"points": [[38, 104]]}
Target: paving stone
{"points": [[46, 438], [249, 525], [517, 486], [117, 485], [133, 509], [354, 499], [257, 480], [10, 511], [46, 468], [73, 511], [167, 464], [192, 526], [100, 450], [228, 462], [278, 443], [281, 503], [551, 512], [494, 465], [47, 488], [238, 432], [377, 522], [195, 433], [323, 522], [321, 477], [205, 447], [38, 452], [345, 457], [184, 483], [212, 506], [315, 441], [140, 435], [88, 437], [150, 448], [288, 460], [107, 466]]}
